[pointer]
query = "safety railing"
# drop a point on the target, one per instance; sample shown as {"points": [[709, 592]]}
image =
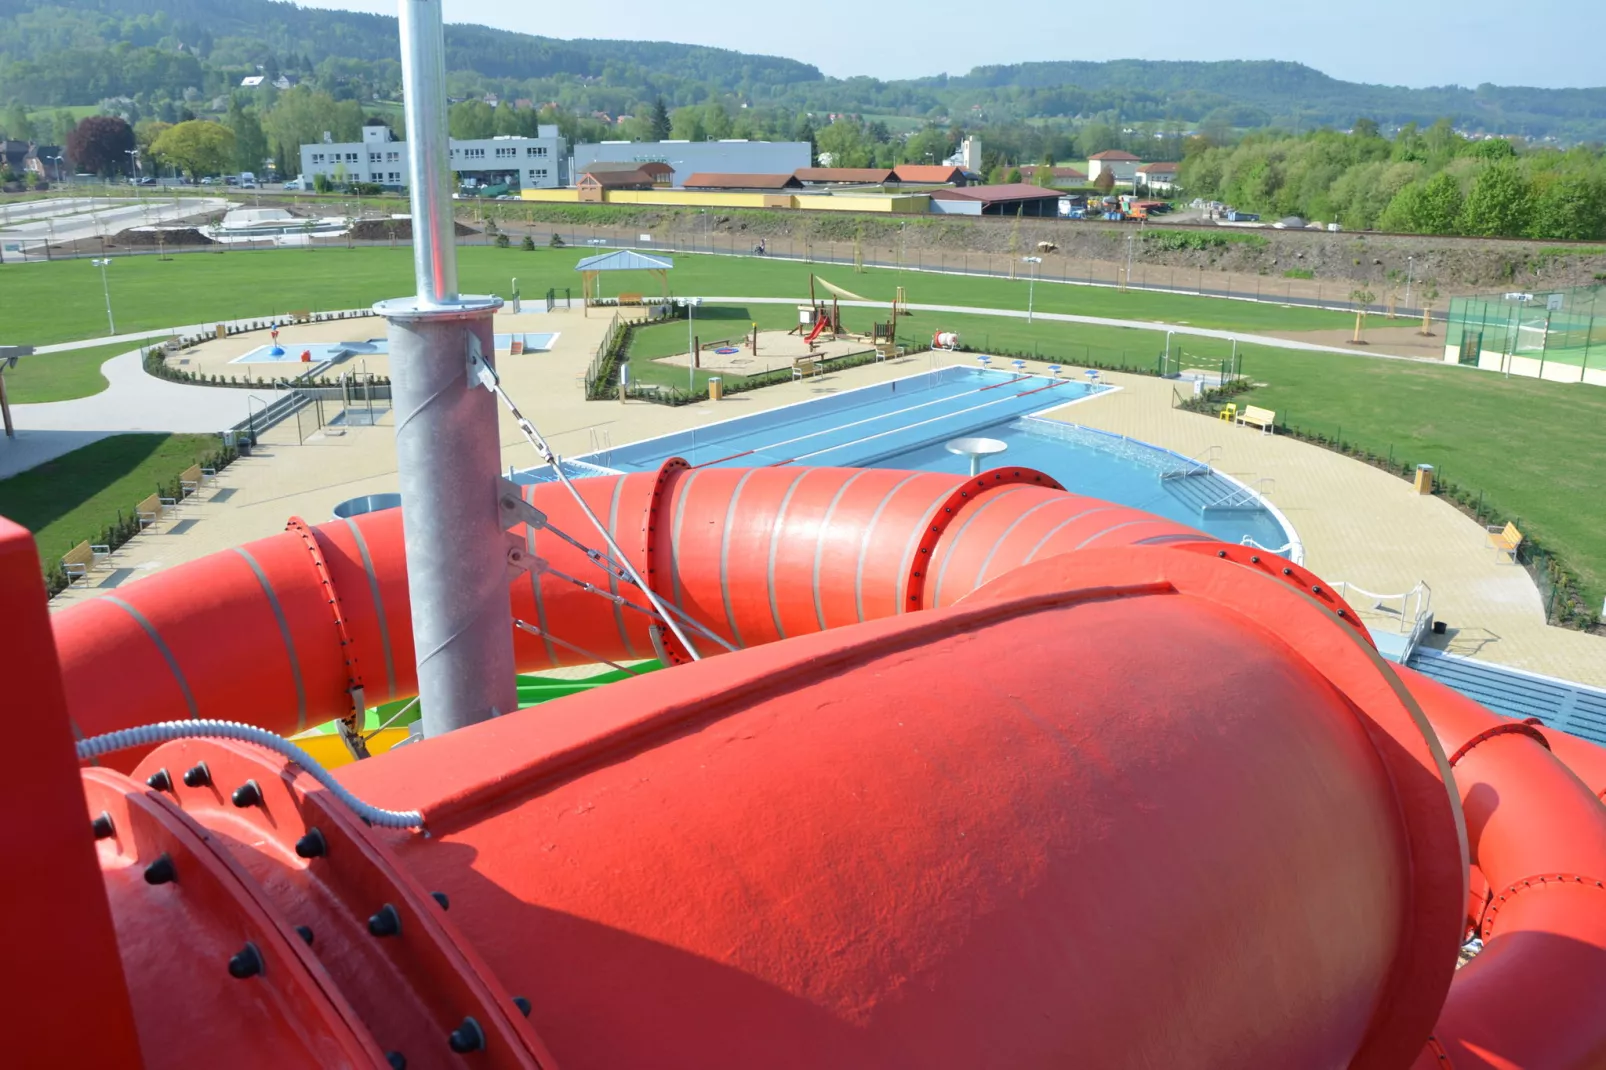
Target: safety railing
{"points": [[1200, 464], [1244, 497]]}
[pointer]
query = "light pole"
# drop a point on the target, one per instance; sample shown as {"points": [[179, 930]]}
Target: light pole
{"points": [[1410, 266], [133, 160], [103, 263], [57, 158], [1127, 283], [1031, 282]]}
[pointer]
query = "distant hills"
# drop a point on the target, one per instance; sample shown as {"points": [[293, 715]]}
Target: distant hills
{"points": [[60, 52]]}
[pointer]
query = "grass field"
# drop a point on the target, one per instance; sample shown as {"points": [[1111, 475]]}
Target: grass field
{"points": [[78, 495], [1535, 449], [61, 376], [61, 301]]}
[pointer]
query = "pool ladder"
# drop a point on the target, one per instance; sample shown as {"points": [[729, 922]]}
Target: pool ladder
{"points": [[601, 446]]}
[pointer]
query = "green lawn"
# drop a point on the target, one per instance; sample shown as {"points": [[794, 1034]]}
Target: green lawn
{"points": [[61, 301], [61, 376], [1536, 450], [78, 495]]}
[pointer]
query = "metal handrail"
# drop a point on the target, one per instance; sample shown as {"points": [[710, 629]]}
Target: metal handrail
{"points": [[1420, 596], [1245, 494], [1199, 464]]}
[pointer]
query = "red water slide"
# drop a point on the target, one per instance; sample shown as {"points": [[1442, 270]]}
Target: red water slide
{"points": [[280, 631], [1116, 796]]}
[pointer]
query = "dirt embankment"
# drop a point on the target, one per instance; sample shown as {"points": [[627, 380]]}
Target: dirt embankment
{"points": [[1381, 263], [170, 237], [394, 229]]}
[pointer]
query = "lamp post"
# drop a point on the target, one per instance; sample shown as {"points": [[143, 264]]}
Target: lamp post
{"points": [[133, 162], [103, 263], [1127, 283], [1031, 283], [1410, 267], [57, 158]]}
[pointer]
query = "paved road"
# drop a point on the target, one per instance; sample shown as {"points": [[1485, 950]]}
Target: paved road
{"points": [[81, 218], [134, 401], [1157, 326]]}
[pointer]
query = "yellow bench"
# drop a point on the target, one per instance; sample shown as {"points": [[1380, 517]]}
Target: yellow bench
{"points": [[194, 478], [803, 367], [1254, 416], [151, 510], [629, 299], [1506, 540], [1229, 412], [81, 559]]}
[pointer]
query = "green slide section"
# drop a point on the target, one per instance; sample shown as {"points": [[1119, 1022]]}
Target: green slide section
{"points": [[532, 690]]}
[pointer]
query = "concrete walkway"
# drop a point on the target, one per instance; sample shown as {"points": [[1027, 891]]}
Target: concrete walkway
{"points": [[1357, 522], [132, 401], [1365, 526]]}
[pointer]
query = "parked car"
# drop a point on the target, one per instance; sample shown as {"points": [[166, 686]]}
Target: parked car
{"points": [[208, 180], [298, 183]]}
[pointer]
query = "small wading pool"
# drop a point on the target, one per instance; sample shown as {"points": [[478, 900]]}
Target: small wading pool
{"points": [[320, 352], [907, 423], [531, 342]]}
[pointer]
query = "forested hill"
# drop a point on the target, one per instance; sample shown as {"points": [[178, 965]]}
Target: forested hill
{"points": [[1292, 95], [231, 33], [77, 52]]}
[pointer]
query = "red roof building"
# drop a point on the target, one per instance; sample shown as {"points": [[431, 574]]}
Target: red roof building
{"points": [[1006, 199], [844, 176], [929, 174], [710, 180]]}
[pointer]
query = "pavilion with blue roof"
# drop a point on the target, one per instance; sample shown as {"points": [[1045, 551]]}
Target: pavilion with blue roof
{"points": [[592, 267]]}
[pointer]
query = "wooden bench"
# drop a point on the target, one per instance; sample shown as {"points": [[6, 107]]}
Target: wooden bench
{"points": [[1506, 540], [803, 367], [629, 299], [1254, 416], [194, 478], [78, 562], [151, 510]]}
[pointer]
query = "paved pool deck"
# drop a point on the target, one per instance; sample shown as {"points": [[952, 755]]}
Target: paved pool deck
{"points": [[1358, 523]]}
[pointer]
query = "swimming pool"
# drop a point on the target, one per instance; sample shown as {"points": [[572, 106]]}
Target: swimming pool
{"points": [[857, 428], [907, 423], [320, 352]]}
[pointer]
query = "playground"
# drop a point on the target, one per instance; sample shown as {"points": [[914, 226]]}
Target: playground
{"points": [[774, 350]]}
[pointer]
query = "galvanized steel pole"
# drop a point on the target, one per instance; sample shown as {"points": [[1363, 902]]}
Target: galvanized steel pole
{"points": [[448, 452]]}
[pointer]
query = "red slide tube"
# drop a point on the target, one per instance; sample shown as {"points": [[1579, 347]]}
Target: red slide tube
{"points": [[281, 632], [1535, 997]]}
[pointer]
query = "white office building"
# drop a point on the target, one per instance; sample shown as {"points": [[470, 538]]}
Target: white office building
{"points": [[540, 162]]}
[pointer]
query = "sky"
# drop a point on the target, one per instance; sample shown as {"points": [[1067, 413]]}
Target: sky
{"points": [[1394, 42]]}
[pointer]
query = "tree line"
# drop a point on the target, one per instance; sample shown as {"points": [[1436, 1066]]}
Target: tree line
{"points": [[1421, 181]]}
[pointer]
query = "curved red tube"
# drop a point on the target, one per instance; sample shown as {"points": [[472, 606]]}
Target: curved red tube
{"points": [[281, 632], [1533, 998], [998, 833]]}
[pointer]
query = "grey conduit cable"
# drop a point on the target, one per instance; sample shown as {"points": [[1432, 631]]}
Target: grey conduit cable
{"points": [[167, 731]]}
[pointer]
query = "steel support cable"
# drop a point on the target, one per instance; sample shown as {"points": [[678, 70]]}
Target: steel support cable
{"points": [[166, 731], [625, 603], [525, 626], [615, 570], [489, 380]]}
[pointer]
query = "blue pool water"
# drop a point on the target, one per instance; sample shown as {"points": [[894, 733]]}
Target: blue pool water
{"points": [[906, 424], [321, 352]]}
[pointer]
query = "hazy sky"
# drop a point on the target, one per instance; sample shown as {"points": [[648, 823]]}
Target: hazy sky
{"points": [[1397, 42]]}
